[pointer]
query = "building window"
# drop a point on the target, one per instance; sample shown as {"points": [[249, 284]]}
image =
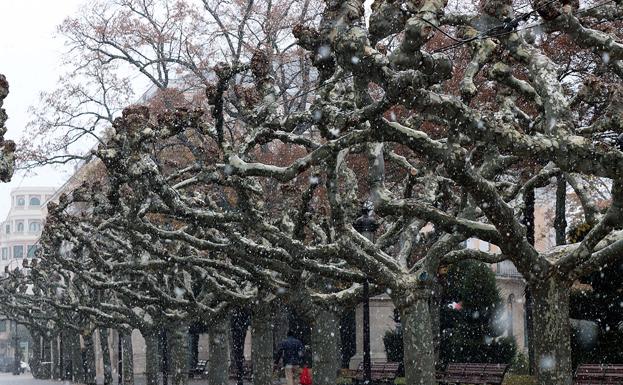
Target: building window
{"points": [[8, 229], [32, 249], [20, 201], [511, 300], [20, 227], [5, 253], [18, 251], [34, 226], [3, 326], [34, 202]]}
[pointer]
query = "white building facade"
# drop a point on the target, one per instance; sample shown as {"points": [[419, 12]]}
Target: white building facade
{"points": [[21, 229]]}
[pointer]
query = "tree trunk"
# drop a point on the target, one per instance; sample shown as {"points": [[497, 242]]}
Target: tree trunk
{"points": [[66, 356], [560, 219], [103, 333], [89, 349], [56, 370], [435, 315], [262, 347], [35, 361], [552, 348], [179, 354], [325, 339], [46, 365], [127, 358], [152, 367], [419, 358], [218, 353], [77, 361]]}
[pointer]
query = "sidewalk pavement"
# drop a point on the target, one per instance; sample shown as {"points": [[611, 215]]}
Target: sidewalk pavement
{"points": [[26, 379]]}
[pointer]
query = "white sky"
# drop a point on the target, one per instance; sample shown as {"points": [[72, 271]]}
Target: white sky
{"points": [[30, 58]]}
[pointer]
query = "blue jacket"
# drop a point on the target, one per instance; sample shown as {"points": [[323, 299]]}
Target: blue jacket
{"points": [[291, 350]]}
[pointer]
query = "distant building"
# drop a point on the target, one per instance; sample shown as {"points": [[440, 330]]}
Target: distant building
{"points": [[21, 229], [19, 234]]}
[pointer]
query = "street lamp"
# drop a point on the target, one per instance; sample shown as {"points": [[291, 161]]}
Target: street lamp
{"points": [[366, 225]]}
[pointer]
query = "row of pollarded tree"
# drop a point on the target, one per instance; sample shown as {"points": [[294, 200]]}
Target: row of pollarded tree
{"points": [[195, 213]]}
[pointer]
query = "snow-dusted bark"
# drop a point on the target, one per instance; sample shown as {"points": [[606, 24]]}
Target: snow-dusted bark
{"points": [[552, 347], [262, 345], [218, 353], [7, 147], [127, 357], [179, 354], [89, 359], [105, 347], [152, 358], [325, 339]]}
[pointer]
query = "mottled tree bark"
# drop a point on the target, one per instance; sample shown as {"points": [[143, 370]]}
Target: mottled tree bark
{"points": [[435, 314], [179, 354], [35, 361], [552, 348], [560, 221], [325, 338], [47, 364], [419, 359], [262, 347], [152, 366], [218, 356], [56, 370], [89, 346], [76, 364], [127, 358], [103, 334]]}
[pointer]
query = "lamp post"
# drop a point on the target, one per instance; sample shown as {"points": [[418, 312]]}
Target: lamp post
{"points": [[366, 225]]}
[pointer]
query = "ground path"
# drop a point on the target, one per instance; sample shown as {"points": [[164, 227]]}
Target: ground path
{"points": [[26, 379]]}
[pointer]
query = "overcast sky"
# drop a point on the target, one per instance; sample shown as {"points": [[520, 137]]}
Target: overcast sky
{"points": [[30, 58]]}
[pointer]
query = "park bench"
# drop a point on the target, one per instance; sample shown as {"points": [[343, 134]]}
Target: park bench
{"points": [[596, 374], [199, 369], [472, 373], [380, 372]]}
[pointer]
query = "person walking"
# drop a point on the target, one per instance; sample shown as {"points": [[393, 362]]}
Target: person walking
{"points": [[291, 351]]}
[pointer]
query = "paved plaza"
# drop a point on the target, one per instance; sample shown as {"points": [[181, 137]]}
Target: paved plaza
{"points": [[26, 379]]}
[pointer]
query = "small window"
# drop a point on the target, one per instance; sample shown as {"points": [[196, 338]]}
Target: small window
{"points": [[20, 201], [20, 227], [8, 229], [34, 202], [18, 251], [2, 326], [5, 253], [32, 249], [34, 226]]}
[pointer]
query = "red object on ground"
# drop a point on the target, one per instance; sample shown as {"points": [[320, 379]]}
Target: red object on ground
{"points": [[306, 378]]}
